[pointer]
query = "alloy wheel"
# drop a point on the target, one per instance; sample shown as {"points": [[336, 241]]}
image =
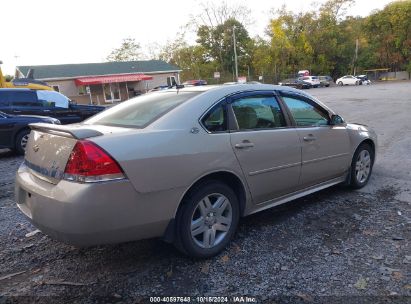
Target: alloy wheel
{"points": [[363, 166], [23, 141], [211, 220]]}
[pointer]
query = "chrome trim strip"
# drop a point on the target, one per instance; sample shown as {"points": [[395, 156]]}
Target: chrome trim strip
{"points": [[54, 173], [289, 197], [324, 158], [274, 169]]}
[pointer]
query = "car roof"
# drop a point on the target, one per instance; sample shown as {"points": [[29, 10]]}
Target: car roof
{"points": [[16, 89], [225, 90], [234, 88]]}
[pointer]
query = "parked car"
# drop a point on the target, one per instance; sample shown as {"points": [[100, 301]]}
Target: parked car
{"points": [[348, 80], [195, 82], [45, 103], [325, 81], [187, 164], [313, 80], [159, 88], [14, 130], [296, 83], [363, 79]]}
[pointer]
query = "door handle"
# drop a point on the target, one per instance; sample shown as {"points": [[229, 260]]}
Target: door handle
{"points": [[309, 137], [16, 111], [244, 145]]}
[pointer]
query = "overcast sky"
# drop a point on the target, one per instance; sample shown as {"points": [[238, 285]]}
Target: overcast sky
{"points": [[79, 31]]}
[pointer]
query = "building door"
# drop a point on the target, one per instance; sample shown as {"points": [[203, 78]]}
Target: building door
{"points": [[111, 92]]}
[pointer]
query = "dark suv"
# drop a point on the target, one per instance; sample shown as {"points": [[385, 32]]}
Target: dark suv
{"points": [[44, 103]]}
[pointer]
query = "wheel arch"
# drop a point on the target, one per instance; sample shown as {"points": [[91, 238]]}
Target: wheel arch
{"points": [[227, 177], [17, 132], [371, 143]]}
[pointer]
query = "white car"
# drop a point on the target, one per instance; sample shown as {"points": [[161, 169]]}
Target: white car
{"points": [[314, 80], [364, 79], [347, 80]]}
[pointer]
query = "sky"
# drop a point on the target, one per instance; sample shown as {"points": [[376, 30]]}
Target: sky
{"points": [[79, 31]]}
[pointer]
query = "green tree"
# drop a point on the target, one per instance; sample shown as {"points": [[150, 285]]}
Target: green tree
{"points": [[389, 32], [218, 44], [191, 59], [8, 77], [128, 51]]}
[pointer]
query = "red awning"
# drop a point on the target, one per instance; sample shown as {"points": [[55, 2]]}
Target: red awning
{"points": [[110, 79]]}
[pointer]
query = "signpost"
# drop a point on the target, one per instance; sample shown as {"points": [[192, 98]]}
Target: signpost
{"points": [[88, 91], [242, 79]]}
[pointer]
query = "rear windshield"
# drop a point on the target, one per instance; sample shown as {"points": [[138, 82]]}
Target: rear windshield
{"points": [[141, 111]]}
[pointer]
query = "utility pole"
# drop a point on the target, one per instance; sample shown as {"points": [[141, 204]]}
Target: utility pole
{"points": [[355, 56], [235, 55]]}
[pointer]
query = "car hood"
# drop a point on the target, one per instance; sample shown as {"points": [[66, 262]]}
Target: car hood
{"points": [[34, 118]]}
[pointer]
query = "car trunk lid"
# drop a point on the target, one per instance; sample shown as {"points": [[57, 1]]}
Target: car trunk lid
{"points": [[49, 147]]}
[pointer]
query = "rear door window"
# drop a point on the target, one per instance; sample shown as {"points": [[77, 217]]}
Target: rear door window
{"points": [[24, 99], [258, 112]]}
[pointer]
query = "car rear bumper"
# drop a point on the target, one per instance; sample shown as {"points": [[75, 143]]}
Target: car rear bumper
{"points": [[94, 213]]}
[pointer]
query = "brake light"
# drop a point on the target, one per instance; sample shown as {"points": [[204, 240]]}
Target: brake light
{"points": [[89, 163]]}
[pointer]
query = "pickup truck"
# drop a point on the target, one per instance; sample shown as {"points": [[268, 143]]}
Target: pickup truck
{"points": [[45, 103]]}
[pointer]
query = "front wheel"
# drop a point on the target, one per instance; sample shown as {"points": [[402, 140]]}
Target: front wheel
{"points": [[340, 83], [361, 166], [207, 220], [21, 141]]}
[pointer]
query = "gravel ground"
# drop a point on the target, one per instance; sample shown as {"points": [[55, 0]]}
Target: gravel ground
{"points": [[334, 246]]}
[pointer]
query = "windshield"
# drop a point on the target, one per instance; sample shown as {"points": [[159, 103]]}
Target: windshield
{"points": [[141, 111], [58, 99]]}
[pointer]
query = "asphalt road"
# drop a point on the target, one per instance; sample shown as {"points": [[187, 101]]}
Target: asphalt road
{"points": [[335, 246]]}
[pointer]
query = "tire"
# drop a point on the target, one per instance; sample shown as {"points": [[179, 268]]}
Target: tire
{"points": [[340, 83], [363, 161], [200, 219], [21, 141]]}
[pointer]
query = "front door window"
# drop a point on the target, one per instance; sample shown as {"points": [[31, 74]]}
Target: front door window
{"points": [[111, 92]]}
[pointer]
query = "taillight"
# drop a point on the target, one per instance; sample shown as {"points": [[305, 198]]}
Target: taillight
{"points": [[89, 163]]}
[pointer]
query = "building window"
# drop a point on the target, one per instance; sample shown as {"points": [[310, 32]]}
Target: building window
{"points": [[56, 88], [111, 92], [82, 90]]}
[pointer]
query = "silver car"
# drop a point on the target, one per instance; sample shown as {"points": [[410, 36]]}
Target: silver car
{"points": [[186, 164]]}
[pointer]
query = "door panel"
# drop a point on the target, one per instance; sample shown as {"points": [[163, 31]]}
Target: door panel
{"points": [[6, 131], [325, 148], [270, 160], [325, 153], [269, 153]]}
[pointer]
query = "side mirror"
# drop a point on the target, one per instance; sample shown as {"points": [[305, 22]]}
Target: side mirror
{"points": [[336, 120]]}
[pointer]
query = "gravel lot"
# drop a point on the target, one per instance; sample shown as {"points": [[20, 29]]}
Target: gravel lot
{"points": [[335, 246]]}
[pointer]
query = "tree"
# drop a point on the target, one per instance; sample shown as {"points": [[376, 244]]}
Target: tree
{"points": [[219, 45], [128, 51], [212, 15], [190, 58], [389, 32]]}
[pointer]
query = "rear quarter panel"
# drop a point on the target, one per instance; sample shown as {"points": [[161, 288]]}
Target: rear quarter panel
{"points": [[167, 159]]}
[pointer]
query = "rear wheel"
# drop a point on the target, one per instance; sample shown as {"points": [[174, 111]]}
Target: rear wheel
{"points": [[361, 166], [21, 141], [207, 220], [340, 83]]}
